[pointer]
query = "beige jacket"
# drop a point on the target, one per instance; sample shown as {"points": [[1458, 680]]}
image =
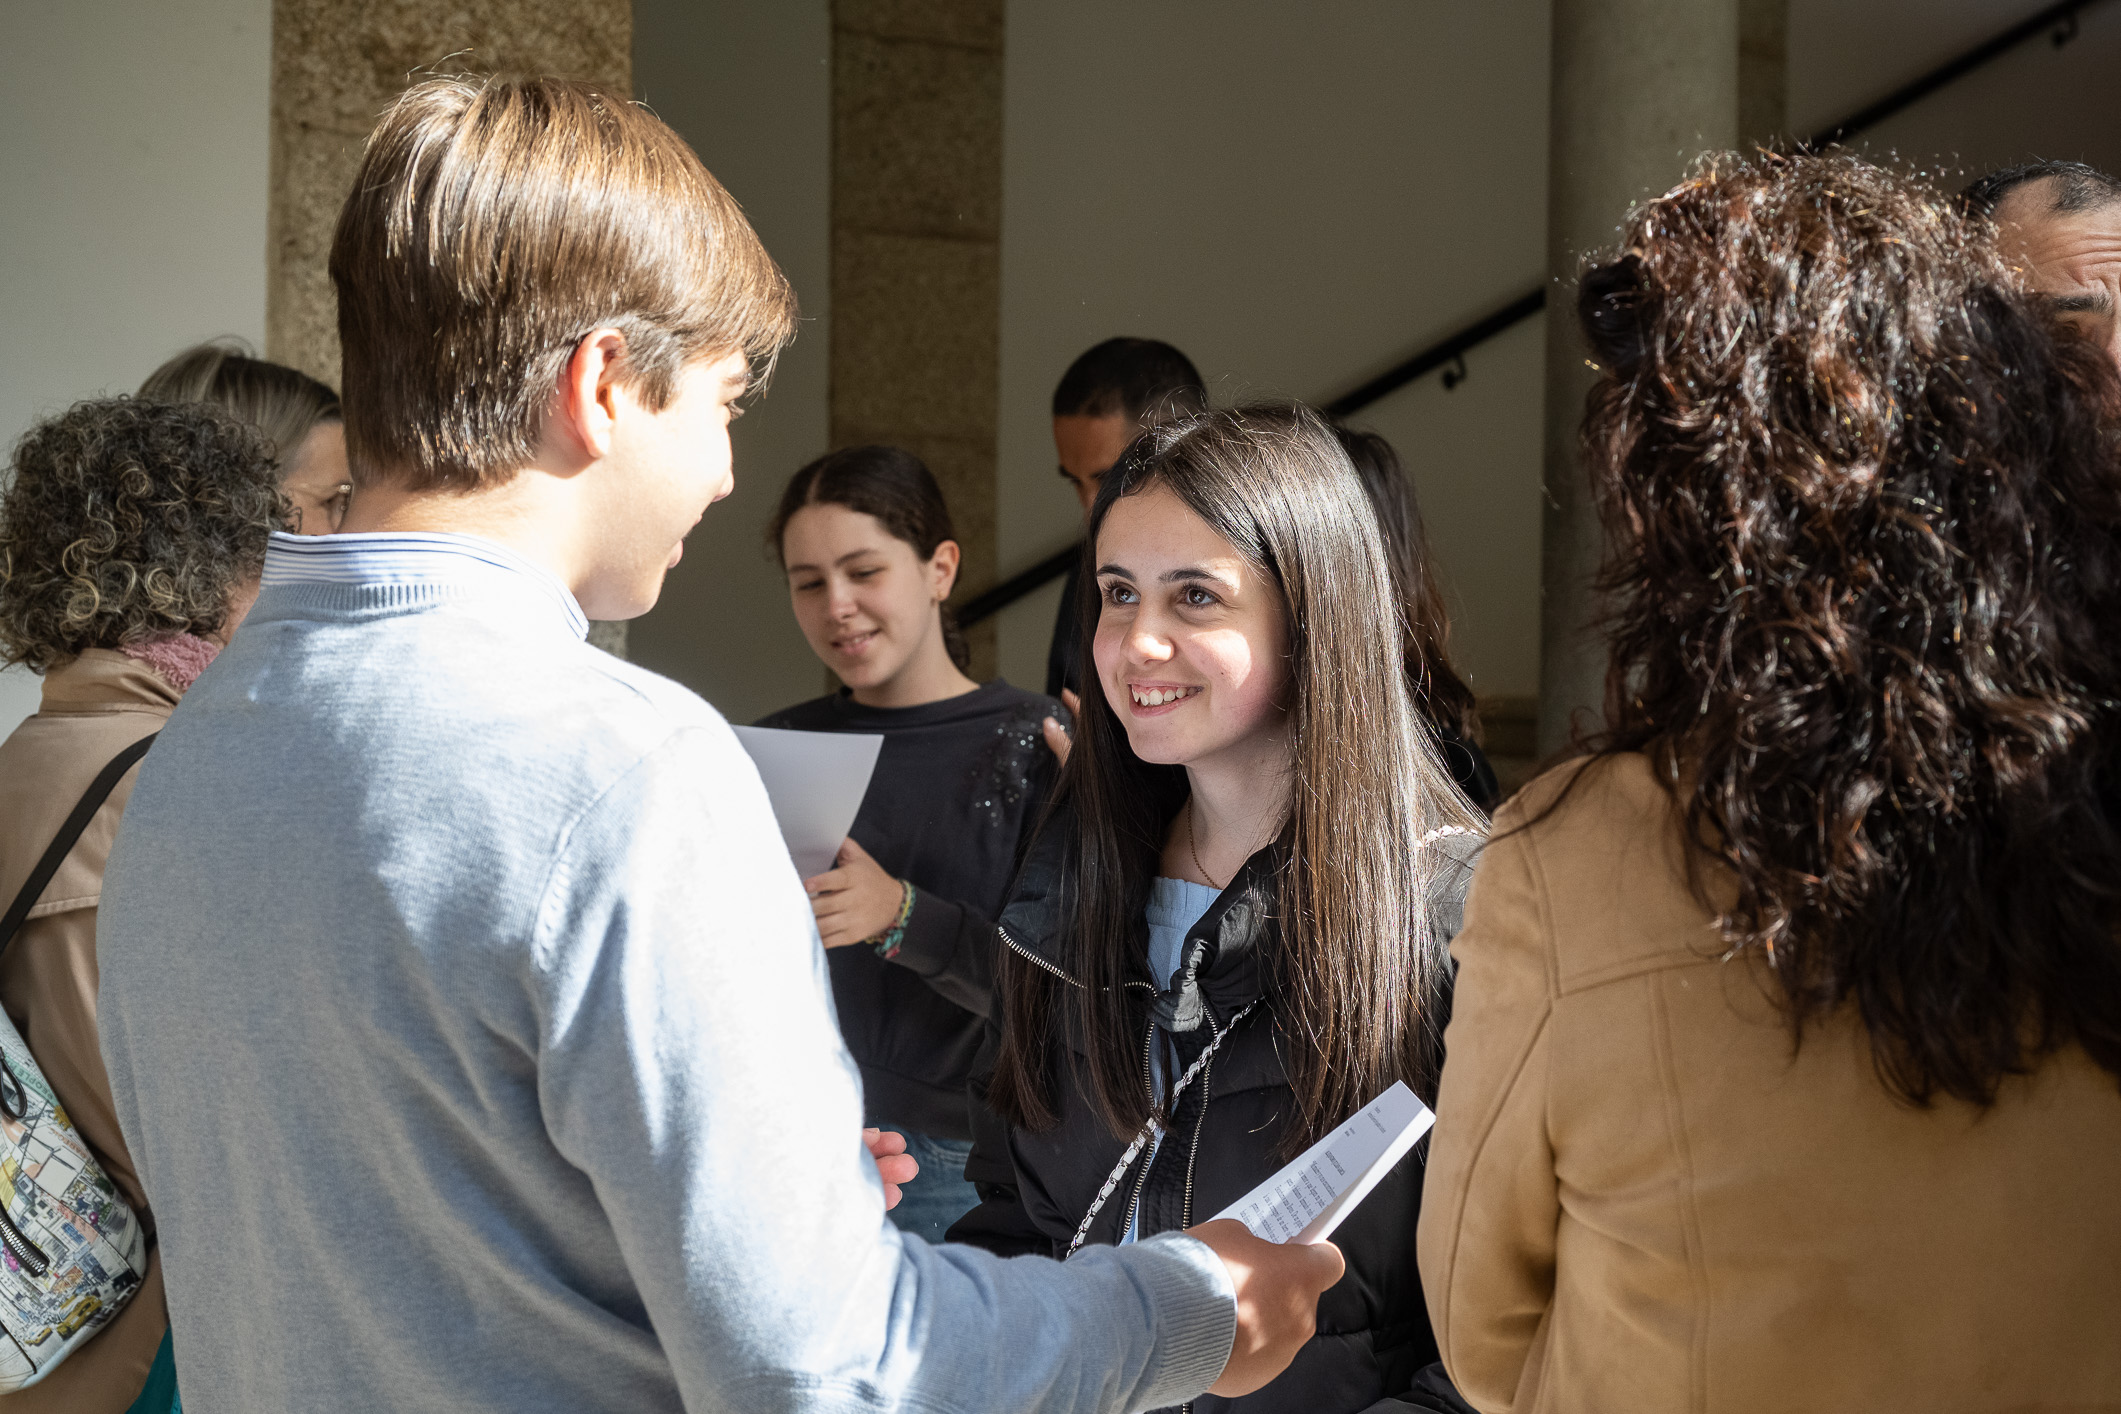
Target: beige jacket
{"points": [[93, 708], [1640, 1199]]}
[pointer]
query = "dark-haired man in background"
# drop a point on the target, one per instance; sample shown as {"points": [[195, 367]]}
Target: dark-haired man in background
{"points": [[2061, 221], [1108, 396]]}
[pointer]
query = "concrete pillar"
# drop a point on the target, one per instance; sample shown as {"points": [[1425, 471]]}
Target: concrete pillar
{"points": [[1640, 87], [916, 251], [336, 64]]}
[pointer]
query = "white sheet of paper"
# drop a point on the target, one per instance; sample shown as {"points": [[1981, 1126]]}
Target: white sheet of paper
{"points": [[1310, 1197], [816, 781]]}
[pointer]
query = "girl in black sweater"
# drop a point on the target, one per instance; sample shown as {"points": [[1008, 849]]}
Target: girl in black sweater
{"points": [[1231, 935], [907, 913]]}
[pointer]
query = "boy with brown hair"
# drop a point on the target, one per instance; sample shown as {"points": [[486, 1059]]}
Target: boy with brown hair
{"points": [[496, 1070]]}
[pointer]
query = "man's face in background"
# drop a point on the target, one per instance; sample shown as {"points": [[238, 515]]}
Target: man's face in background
{"points": [[1088, 446], [2072, 257]]}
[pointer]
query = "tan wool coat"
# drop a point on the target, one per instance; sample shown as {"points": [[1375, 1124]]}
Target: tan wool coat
{"points": [[1642, 1200], [93, 708]]}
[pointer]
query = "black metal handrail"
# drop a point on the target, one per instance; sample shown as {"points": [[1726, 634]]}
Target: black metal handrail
{"points": [[1449, 352], [990, 602], [2060, 19], [1437, 355]]}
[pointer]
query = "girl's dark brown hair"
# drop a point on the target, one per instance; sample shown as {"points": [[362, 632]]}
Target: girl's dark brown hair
{"points": [[1438, 689], [1355, 981], [897, 489], [1863, 501]]}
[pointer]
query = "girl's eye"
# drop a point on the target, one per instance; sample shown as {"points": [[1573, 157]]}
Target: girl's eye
{"points": [[864, 574], [1119, 594], [805, 586], [1196, 597]]}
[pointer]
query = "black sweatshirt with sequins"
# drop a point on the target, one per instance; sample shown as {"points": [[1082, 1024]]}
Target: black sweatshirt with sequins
{"points": [[957, 791]]}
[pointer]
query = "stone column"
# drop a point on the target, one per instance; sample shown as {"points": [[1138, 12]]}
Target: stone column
{"points": [[1640, 87], [336, 64], [916, 251]]}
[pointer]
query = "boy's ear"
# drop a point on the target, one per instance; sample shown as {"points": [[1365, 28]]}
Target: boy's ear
{"points": [[942, 568], [586, 404]]}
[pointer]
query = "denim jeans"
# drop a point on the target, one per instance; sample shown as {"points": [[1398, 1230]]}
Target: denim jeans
{"points": [[940, 1196]]}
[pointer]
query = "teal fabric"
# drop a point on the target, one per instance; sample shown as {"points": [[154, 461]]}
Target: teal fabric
{"points": [[159, 1394]]}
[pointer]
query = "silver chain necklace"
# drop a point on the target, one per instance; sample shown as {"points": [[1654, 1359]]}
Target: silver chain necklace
{"points": [[1151, 1130]]}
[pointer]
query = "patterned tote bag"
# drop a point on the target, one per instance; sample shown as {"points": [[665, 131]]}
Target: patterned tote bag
{"points": [[72, 1251]]}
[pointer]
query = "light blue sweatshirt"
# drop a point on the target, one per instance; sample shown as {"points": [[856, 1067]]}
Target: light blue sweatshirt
{"points": [[469, 1027]]}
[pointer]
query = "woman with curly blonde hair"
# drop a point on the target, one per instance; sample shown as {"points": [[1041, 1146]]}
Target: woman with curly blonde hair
{"points": [[131, 538]]}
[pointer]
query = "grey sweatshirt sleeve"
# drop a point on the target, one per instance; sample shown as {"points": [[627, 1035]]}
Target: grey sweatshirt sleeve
{"points": [[689, 1064]]}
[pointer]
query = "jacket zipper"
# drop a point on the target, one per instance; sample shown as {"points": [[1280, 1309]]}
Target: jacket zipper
{"points": [[1186, 1208], [1141, 1180], [1031, 957]]}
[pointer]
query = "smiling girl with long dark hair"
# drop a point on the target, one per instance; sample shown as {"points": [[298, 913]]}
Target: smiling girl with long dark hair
{"points": [[1230, 936]]}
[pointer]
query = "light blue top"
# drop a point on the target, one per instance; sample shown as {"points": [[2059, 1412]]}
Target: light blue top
{"points": [[1175, 905], [468, 1025]]}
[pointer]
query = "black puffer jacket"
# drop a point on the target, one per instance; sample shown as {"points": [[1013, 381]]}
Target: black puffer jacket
{"points": [[1374, 1344]]}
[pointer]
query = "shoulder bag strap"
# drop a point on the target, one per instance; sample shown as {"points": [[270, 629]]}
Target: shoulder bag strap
{"points": [[91, 801]]}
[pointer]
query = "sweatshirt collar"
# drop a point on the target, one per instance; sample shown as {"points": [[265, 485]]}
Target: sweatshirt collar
{"points": [[414, 557]]}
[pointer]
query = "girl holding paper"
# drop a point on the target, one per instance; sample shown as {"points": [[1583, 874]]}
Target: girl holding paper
{"points": [[907, 913], [1230, 936]]}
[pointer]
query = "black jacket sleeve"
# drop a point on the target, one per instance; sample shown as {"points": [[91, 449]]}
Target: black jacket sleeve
{"points": [[1000, 1223], [951, 947]]}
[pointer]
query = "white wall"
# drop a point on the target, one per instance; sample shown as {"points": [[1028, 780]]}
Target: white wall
{"points": [[133, 150], [1297, 196], [2040, 100], [749, 86]]}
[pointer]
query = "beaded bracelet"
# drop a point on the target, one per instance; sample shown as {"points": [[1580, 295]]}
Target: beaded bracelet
{"points": [[893, 938]]}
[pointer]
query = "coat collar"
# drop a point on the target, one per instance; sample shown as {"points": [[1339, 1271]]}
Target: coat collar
{"points": [[1219, 968], [100, 679], [1219, 965]]}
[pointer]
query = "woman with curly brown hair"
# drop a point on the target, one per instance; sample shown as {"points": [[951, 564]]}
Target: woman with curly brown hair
{"points": [[1786, 1065], [131, 538]]}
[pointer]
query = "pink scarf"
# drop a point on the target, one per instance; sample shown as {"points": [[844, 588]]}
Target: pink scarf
{"points": [[179, 658]]}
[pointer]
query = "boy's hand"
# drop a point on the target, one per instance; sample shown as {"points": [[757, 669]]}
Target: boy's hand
{"points": [[893, 1164], [854, 901], [1278, 1285]]}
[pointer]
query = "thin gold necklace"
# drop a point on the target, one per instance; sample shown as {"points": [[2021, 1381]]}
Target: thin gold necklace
{"points": [[1194, 850]]}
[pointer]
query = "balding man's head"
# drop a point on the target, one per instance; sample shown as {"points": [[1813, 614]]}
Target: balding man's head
{"points": [[2061, 222]]}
